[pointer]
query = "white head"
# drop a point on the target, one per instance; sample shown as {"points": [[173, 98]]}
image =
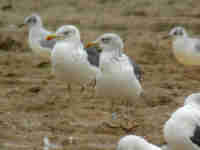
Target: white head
{"points": [[193, 99], [33, 20], [178, 32], [66, 33], [133, 142], [109, 42]]}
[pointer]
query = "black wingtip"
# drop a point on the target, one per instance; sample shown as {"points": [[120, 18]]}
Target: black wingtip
{"points": [[196, 136]]}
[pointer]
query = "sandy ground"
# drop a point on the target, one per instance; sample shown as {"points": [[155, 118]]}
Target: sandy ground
{"points": [[33, 104]]}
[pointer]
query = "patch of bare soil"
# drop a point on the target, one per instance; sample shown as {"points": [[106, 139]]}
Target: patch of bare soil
{"points": [[33, 104]]}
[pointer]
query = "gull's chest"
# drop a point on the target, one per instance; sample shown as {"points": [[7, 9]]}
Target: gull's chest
{"points": [[36, 34], [185, 51], [109, 64], [65, 53], [181, 46], [114, 65]]}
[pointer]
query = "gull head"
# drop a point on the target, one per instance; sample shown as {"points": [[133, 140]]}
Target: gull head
{"points": [[108, 42], [193, 99], [65, 33], [33, 20], [178, 32]]}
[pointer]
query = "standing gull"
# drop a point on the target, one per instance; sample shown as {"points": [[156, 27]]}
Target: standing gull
{"points": [[185, 48], [37, 35], [69, 58], [119, 78], [182, 130], [133, 142]]}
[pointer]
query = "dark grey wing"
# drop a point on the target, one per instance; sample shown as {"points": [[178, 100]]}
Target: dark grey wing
{"points": [[93, 56], [196, 136], [48, 43], [197, 46], [137, 70]]}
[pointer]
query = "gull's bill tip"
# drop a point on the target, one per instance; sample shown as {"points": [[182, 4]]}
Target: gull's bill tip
{"points": [[94, 44], [91, 44], [51, 37]]}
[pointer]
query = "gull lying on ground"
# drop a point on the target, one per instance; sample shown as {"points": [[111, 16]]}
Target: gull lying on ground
{"points": [[133, 142], [182, 130], [119, 76], [70, 61], [37, 35], [185, 48]]}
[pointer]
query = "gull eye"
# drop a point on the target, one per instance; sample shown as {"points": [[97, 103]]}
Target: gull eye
{"points": [[180, 32], [66, 32], [176, 33], [105, 40], [32, 20]]}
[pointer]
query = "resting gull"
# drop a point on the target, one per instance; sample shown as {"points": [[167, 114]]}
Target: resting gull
{"points": [[70, 61], [119, 76], [185, 48], [182, 130], [133, 142], [37, 35]]}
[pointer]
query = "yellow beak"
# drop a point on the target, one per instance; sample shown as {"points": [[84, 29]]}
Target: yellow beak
{"points": [[92, 44], [51, 37]]}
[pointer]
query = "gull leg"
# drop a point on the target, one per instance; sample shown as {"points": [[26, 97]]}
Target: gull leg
{"points": [[128, 108], [82, 89], [69, 88], [68, 94], [93, 83], [112, 105]]}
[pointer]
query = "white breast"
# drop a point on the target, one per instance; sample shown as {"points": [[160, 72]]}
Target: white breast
{"points": [[117, 78], [35, 35], [71, 64], [185, 51]]}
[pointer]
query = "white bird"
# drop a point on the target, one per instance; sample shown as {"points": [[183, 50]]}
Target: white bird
{"points": [[133, 142], [119, 76], [182, 130], [37, 35], [185, 48], [70, 61], [165, 147]]}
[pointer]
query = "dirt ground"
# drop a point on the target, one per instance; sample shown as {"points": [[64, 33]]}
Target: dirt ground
{"points": [[33, 104]]}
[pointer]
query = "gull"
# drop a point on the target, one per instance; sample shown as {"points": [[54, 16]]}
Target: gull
{"points": [[182, 130], [133, 142], [185, 48], [70, 61], [119, 76], [37, 34]]}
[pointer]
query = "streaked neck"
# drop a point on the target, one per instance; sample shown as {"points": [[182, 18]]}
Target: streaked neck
{"points": [[114, 52]]}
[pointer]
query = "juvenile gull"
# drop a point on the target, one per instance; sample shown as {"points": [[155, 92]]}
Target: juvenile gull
{"points": [[119, 78], [133, 142], [37, 35], [69, 58], [182, 130], [185, 48]]}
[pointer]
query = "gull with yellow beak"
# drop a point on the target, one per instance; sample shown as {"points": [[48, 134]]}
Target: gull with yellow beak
{"points": [[37, 35], [69, 59], [119, 76], [185, 48]]}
